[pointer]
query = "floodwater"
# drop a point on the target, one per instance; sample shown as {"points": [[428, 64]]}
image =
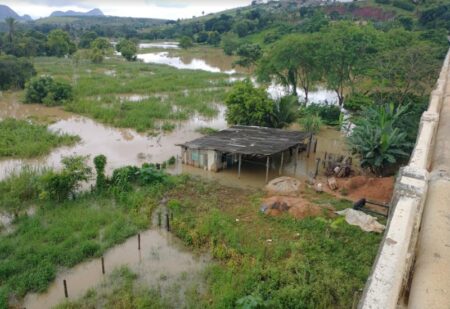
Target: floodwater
{"points": [[162, 262], [163, 45], [121, 146], [185, 62]]}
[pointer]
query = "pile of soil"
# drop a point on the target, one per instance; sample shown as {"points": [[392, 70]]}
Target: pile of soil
{"points": [[284, 186], [370, 188], [298, 207]]}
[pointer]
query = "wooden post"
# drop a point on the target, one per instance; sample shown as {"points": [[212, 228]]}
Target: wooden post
{"points": [[308, 150], [267, 169], [159, 219], [239, 166], [66, 294], [296, 160], [139, 241], [281, 164], [167, 223], [317, 167], [315, 145], [103, 265]]}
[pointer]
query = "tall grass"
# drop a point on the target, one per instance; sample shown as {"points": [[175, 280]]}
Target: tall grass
{"points": [[272, 262], [23, 139]]}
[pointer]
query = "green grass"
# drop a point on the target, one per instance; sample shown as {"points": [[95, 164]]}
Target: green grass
{"points": [[169, 94], [24, 139], [65, 234], [276, 262]]}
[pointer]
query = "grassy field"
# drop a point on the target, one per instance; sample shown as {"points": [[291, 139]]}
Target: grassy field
{"points": [[23, 139], [102, 91], [272, 262]]}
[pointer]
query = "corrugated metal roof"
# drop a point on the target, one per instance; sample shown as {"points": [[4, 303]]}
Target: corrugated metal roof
{"points": [[250, 140]]}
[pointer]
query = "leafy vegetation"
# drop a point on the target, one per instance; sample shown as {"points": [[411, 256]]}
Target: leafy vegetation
{"points": [[23, 139], [128, 49], [15, 72], [271, 262], [378, 140], [47, 91]]}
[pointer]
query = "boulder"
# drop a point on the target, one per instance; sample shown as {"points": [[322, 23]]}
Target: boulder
{"points": [[295, 206], [284, 186]]}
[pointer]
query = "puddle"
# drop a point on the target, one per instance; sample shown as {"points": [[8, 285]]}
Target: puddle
{"points": [[182, 63], [132, 97], [162, 261], [110, 73], [120, 146], [163, 45]]}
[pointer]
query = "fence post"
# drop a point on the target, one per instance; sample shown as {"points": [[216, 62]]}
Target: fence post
{"points": [[103, 265], [139, 241], [66, 294], [167, 222]]}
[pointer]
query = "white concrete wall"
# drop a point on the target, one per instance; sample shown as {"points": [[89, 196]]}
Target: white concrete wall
{"points": [[392, 267]]}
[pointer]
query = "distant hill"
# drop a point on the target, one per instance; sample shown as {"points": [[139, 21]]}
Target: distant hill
{"points": [[6, 11], [94, 12]]}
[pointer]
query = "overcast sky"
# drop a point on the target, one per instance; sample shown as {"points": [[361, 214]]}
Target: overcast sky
{"points": [[166, 9]]}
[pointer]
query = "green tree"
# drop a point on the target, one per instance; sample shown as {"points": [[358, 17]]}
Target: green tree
{"points": [[344, 51], [230, 43], [100, 163], [292, 61], [247, 105], [248, 54], [128, 49], [15, 72], [102, 44], [59, 43], [46, 90], [185, 42], [285, 112], [87, 38], [11, 24]]}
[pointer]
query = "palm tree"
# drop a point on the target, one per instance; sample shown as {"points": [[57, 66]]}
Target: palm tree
{"points": [[11, 23]]}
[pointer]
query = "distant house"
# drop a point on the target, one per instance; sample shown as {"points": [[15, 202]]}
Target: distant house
{"points": [[230, 146]]}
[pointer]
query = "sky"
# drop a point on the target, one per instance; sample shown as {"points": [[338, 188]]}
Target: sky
{"points": [[165, 9]]}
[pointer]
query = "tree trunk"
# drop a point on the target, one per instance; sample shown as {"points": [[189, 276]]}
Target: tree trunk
{"points": [[292, 78]]}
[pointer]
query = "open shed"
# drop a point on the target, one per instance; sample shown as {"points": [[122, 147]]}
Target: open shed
{"points": [[227, 147]]}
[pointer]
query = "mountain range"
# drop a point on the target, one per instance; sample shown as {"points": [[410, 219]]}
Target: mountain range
{"points": [[6, 11], [94, 12]]}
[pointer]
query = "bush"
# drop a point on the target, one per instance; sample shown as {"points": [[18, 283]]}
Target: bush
{"points": [[404, 5], [357, 101], [15, 72], [60, 186], [128, 49], [48, 91], [329, 114], [100, 163], [186, 42], [311, 123]]}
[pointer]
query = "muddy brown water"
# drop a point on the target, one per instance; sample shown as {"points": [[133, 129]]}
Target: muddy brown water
{"points": [[162, 262], [121, 146]]}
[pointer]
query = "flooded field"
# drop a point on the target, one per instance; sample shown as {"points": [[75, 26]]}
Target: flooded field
{"points": [[162, 262], [120, 146]]}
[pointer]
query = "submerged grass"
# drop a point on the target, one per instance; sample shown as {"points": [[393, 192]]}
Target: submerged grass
{"points": [[169, 94], [24, 139], [271, 262], [64, 234]]}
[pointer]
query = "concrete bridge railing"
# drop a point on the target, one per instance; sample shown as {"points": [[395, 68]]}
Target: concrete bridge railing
{"points": [[390, 273]]}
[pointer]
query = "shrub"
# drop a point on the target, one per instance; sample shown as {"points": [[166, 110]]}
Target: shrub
{"points": [[186, 42], [15, 72], [48, 91], [60, 186], [377, 139], [128, 49], [328, 113], [357, 101], [311, 123], [285, 112], [404, 5], [100, 163], [123, 177]]}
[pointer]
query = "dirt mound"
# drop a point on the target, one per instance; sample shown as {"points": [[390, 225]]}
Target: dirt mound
{"points": [[370, 188], [284, 186], [295, 206]]}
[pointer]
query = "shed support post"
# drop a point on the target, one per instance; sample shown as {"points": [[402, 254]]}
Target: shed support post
{"points": [[281, 164], [239, 165], [267, 169], [296, 160], [309, 145]]}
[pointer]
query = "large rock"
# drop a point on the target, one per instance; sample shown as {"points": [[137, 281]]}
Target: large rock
{"points": [[284, 186]]}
